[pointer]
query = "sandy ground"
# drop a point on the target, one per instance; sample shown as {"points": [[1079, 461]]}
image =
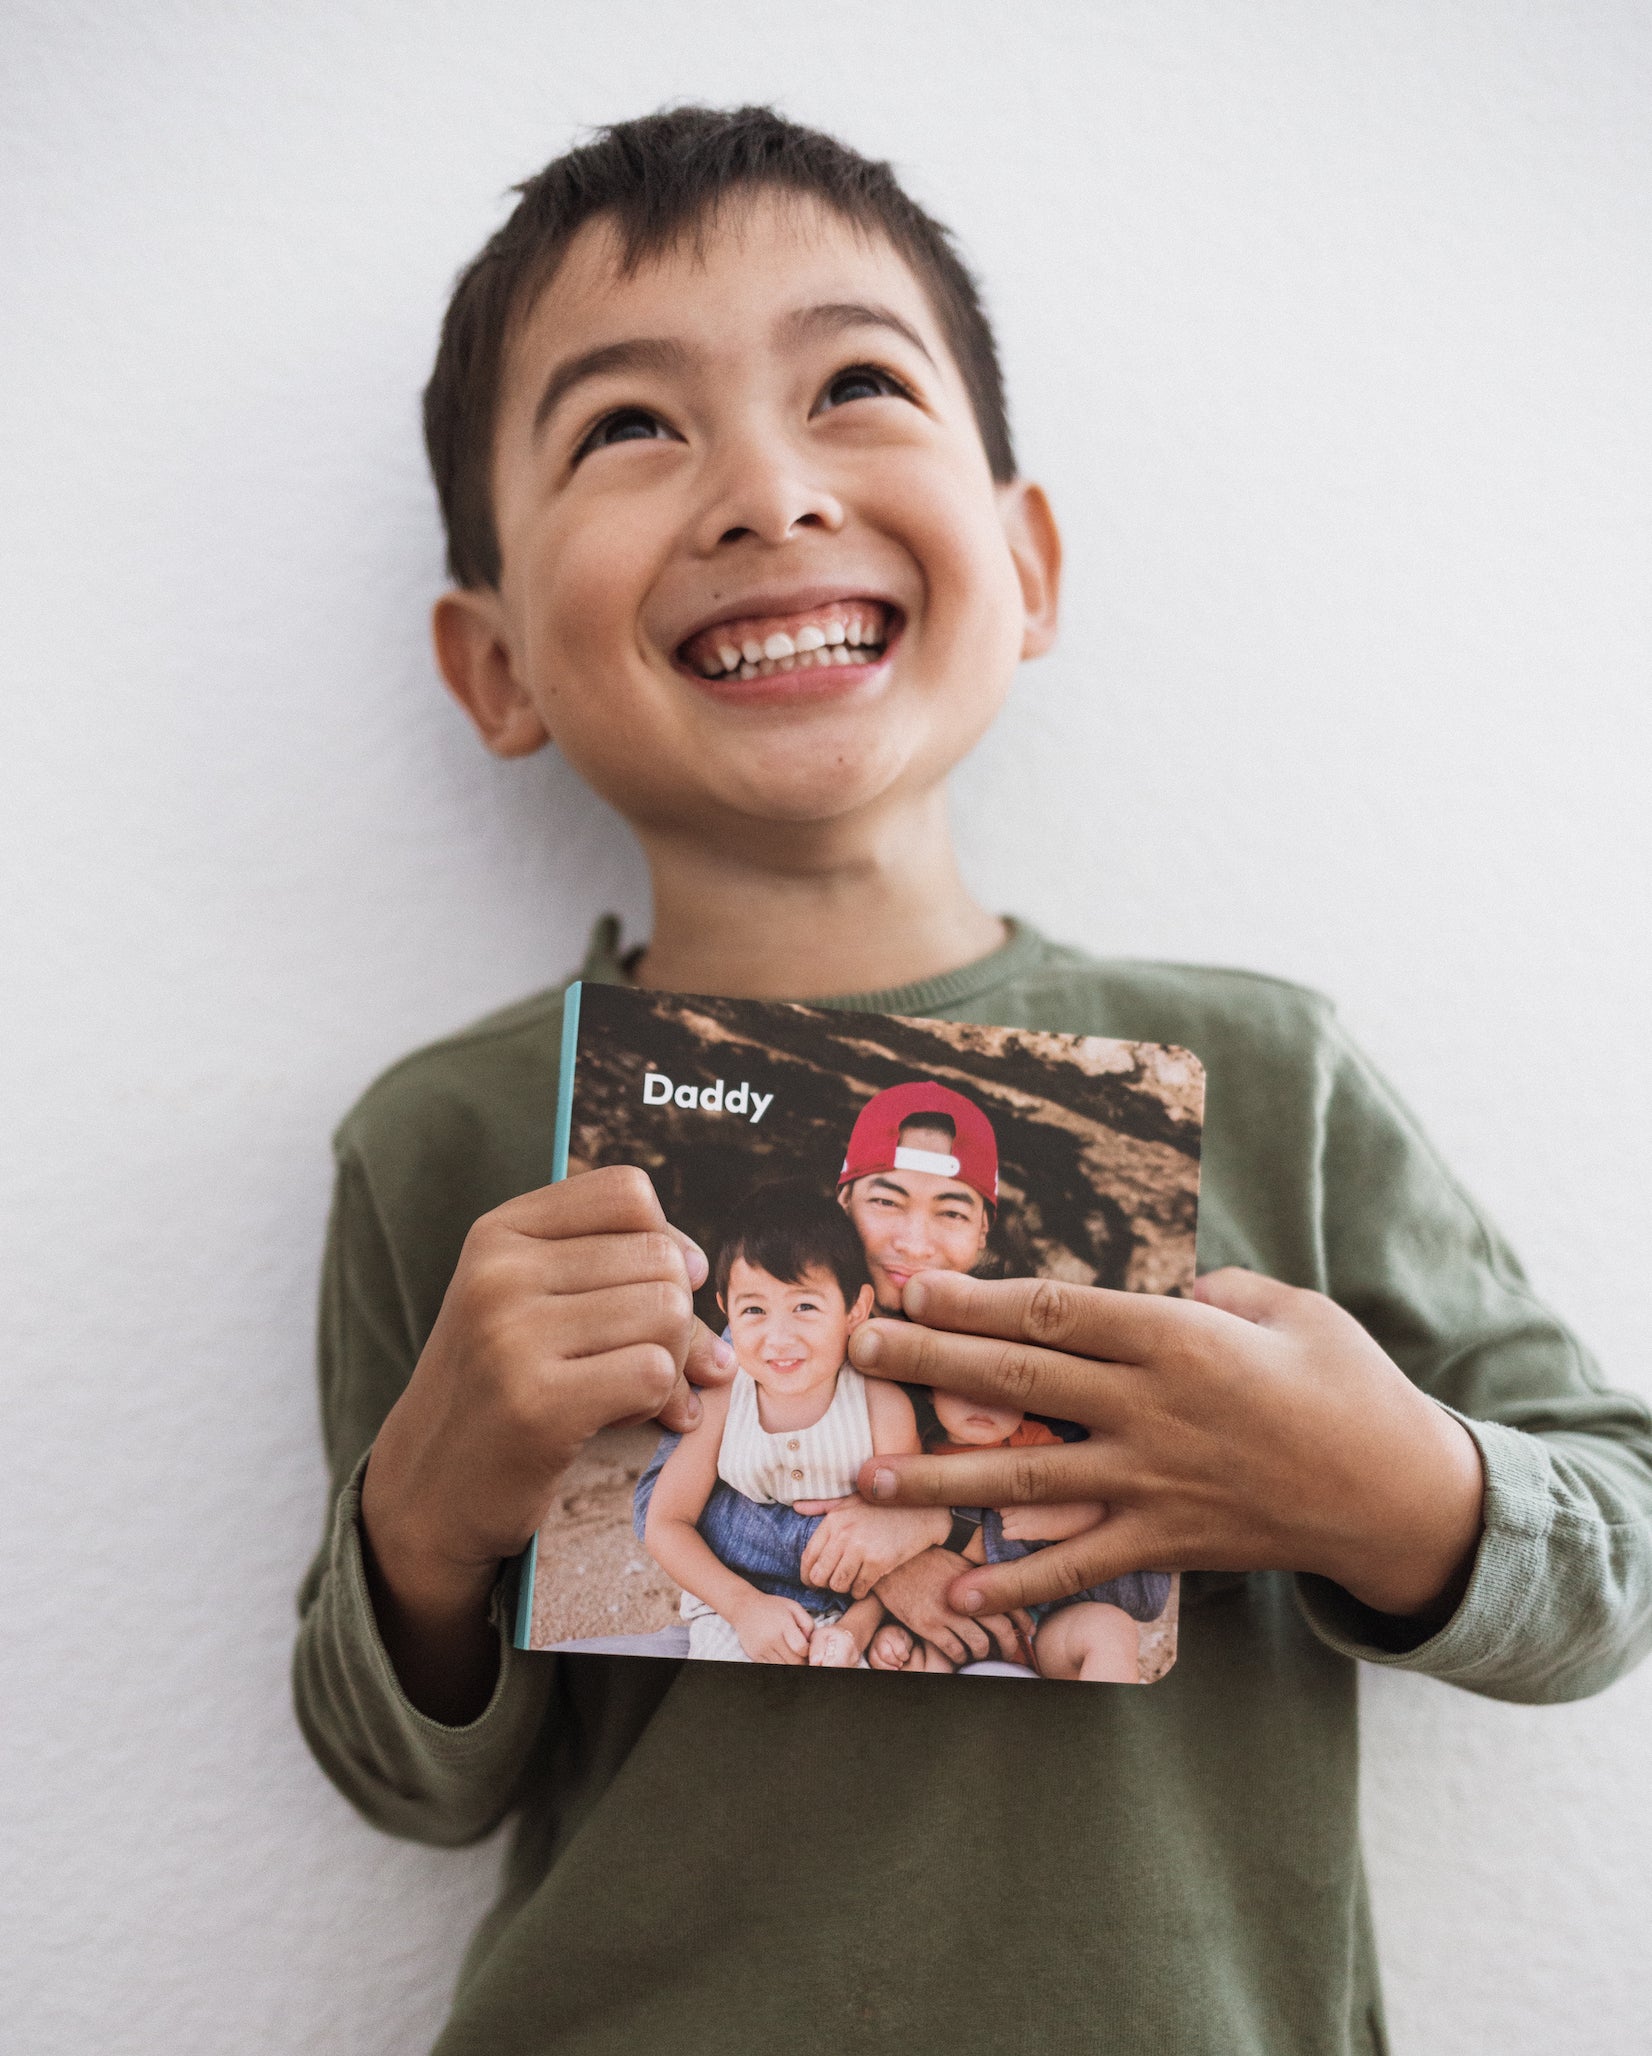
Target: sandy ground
{"points": [[595, 1577]]}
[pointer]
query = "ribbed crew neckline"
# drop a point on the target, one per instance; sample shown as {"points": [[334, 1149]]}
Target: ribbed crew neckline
{"points": [[1014, 957]]}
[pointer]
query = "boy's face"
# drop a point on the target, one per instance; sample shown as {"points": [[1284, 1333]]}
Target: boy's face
{"points": [[762, 444], [910, 1221], [968, 1421], [790, 1337]]}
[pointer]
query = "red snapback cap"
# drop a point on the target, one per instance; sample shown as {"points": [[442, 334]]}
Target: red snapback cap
{"points": [[875, 1142]]}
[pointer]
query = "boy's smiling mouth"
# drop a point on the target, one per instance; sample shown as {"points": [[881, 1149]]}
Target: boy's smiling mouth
{"points": [[830, 646]]}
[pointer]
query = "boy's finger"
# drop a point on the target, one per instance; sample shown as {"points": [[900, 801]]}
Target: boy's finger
{"points": [[699, 1266], [710, 1360], [628, 1384], [1085, 1320], [1012, 1374], [993, 1477], [1062, 1571], [592, 1323], [682, 1410], [590, 1263], [617, 1199]]}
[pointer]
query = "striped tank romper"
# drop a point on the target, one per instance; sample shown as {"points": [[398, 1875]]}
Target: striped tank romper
{"points": [[818, 1462]]}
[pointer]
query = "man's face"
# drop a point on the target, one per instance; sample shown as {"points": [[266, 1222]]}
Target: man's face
{"points": [[760, 444], [910, 1221]]}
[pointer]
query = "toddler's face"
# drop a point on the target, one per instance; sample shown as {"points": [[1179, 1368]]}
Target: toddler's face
{"points": [[756, 451], [967, 1420], [790, 1337]]}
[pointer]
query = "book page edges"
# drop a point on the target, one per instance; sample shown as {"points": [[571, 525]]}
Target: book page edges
{"points": [[527, 1564]]}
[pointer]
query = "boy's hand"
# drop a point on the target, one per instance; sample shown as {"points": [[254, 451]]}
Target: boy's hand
{"points": [[773, 1630], [1255, 1427], [571, 1309], [856, 1544]]}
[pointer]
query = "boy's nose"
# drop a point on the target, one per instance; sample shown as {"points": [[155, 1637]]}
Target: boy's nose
{"points": [[763, 495]]}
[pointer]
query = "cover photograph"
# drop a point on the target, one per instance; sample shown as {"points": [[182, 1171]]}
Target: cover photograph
{"points": [[820, 1158]]}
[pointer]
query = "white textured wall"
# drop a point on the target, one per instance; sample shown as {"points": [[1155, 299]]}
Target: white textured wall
{"points": [[1328, 328]]}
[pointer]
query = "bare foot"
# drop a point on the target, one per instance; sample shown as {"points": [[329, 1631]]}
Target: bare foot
{"points": [[894, 1648], [833, 1648], [890, 1648]]}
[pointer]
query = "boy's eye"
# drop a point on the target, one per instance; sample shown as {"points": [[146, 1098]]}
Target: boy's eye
{"points": [[861, 382], [624, 425]]}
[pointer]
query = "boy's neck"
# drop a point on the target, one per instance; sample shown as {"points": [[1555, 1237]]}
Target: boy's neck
{"points": [[830, 911]]}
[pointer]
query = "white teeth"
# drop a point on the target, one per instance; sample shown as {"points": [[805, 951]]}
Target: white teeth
{"points": [[810, 638], [767, 668], [852, 634], [834, 631], [843, 655], [752, 650], [748, 670], [779, 645], [728, 656]]}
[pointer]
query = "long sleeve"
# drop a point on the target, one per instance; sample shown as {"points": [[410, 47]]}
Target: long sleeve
{"points": [[1559, 1602], [405, 1772]]}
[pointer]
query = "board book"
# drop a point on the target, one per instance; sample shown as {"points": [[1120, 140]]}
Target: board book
{"points": [[819, 1157]]}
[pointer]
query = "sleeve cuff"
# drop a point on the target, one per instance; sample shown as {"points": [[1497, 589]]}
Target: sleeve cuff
{"points": [[1473, 1647], [349, 1566]]}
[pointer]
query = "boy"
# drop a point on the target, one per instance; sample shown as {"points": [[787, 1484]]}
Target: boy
{"points": [[717, 378], [797, 1423]]}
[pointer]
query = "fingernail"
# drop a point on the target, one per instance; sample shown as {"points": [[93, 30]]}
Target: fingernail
{"points": [[699, 1266], [694, 1408], [972, 1602], [883, 1484], [863, 1345], [722, 1354], [914, 1297]]}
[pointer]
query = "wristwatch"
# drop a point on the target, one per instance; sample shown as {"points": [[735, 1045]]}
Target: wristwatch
{"points": [[962, 1532]]}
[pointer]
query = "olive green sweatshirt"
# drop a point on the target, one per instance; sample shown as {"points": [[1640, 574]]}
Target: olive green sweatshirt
{"points": [[742, 1858]]}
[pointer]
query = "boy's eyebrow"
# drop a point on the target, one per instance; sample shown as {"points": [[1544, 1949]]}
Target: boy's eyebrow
{"points": [[638, 353], [831, 316]]}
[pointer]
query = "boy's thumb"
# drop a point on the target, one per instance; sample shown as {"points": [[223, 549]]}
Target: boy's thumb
{"points": [[1247, 1294]]}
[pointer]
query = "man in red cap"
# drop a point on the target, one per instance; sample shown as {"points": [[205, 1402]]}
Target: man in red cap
{"points": [[920, 1183]]}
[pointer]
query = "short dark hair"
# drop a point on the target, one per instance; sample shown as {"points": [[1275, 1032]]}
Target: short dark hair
{"points": [[657, 178], [788, 1230]]}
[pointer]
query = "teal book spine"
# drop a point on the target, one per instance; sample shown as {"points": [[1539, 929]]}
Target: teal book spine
{"points": [[528, 1562]]}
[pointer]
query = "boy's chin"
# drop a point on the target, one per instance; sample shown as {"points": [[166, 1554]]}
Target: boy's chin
{"points": [[816, 783]]}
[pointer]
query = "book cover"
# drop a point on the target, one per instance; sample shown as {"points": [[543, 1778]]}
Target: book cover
{"points": [[820, 1158]]}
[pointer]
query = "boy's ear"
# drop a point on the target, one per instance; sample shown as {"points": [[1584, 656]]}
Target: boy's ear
{"points": [[475, 660], [862, 1308], [1035, 545]]}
